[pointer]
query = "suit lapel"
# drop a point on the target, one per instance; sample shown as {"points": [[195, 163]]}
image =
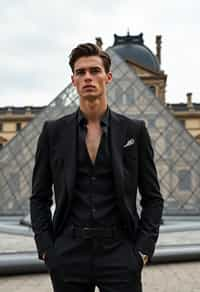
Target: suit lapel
{"points": [[118, 138], [69, 142], [118, 131], [118, 134]]}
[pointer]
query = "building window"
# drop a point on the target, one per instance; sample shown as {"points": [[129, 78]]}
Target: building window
{"points": [[182, 122], [152, 89], [198, 138], [18, 126], [184, 180]]}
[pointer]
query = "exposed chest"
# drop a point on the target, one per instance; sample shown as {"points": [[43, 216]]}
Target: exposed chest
{"points": [[93, 139]]}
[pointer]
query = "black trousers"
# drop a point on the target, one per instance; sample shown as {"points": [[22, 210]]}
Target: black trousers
{"points": [[77, 263]]}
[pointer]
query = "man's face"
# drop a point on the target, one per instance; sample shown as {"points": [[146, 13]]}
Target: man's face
{"points": [[90, 78]]}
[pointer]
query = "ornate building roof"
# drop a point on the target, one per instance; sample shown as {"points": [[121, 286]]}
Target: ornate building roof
{"points": [[19, 110], [183, 107], [132, 48]]}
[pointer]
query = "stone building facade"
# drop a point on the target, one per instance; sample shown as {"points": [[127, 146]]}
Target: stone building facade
{"points": [[146, 65]]}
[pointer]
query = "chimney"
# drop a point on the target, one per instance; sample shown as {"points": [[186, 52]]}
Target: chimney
{"points": [[189, 100], [158, 47], [99, 42]]}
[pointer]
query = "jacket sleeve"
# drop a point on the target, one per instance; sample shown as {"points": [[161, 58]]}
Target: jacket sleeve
{"points": [[41, 199], [151, 198]]}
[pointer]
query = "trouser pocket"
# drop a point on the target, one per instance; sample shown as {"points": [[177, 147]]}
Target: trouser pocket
{"points": [[136, 260]]}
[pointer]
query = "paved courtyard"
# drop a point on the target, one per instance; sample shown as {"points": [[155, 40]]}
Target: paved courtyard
{"points": [[176, 277], [184, 277]]}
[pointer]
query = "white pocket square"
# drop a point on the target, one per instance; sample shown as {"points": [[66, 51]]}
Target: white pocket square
{"points": [[129, 143]]}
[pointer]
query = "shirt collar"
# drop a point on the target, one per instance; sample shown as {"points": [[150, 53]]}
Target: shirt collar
{"points": [[104, 119]]}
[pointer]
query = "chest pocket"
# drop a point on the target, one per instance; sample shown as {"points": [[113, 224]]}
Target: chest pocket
{"points": [[130, 156]]}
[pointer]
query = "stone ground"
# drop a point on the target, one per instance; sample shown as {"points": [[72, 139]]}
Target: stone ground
{"points": [[176, 277], [183, 277]]}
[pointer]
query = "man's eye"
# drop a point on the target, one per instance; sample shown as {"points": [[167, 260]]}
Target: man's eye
{"points": [[80, 72]]}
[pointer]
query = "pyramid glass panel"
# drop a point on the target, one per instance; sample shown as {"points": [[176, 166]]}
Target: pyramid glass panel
{"points": [[176, 153]]}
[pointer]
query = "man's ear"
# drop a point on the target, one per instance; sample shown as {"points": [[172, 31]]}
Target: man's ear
{"points": [[72, 79], [109, 77]]}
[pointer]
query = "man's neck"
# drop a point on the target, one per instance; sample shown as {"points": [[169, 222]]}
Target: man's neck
{"points": [[93, 112]]}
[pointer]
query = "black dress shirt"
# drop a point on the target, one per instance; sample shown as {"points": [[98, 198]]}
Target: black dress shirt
{"points": [[94, 200]]}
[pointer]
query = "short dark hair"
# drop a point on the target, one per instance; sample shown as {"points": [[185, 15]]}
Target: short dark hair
{"points": [[87, 50]]}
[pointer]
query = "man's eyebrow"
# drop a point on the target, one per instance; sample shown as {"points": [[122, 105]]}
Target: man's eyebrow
{"points": [[95, 67], [86, 68], [79, 69]]}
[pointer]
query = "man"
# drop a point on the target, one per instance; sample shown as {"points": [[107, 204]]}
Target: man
{"points": [[95, 159]]}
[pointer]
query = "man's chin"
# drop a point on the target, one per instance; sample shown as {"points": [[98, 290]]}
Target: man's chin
{"points": [[90, 96]]}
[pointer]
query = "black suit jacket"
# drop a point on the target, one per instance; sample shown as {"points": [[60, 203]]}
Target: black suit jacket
{"points": [[133, 167]]}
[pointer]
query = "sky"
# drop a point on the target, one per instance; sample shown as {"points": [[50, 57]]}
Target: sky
{"points": [[36, 38]]}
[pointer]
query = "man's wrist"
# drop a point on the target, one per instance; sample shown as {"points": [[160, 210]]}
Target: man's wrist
{"points": [[44, 256]]}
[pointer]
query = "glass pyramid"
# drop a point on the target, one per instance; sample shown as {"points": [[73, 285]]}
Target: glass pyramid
{"points": [[177, 154]]}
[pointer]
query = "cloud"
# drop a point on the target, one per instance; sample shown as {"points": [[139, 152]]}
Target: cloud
{"points": [[37, 37]]}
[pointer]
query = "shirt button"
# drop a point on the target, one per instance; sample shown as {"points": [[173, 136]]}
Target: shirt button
{"points": [[93, 178], [94, 210]]}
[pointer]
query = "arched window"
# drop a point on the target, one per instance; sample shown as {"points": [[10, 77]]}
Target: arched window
{"points": [[152, 89], [182, 121], [18, 126], [2, 141], [198, 138]]}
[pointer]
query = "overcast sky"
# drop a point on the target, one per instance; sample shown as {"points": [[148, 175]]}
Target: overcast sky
{"points": [[36, 37]]}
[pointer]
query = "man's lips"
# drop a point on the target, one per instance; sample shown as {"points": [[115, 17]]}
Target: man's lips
{"points": [[88, 87]]}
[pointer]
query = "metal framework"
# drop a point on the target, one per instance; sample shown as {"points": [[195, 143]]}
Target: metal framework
{"points": [[177, 154]]}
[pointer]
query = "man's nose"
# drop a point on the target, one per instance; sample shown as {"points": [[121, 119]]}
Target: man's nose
{"points": [[88, 75]]}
